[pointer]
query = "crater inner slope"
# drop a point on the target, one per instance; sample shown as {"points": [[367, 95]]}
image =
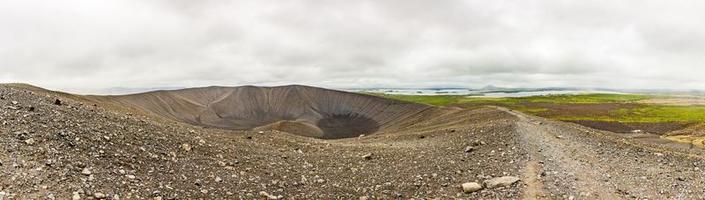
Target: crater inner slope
{"points": [[301, 110]]}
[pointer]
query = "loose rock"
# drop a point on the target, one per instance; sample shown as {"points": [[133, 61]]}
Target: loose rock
{"points": [[76, 196], [469, 149], [186, 147], [29, 141], [86, 171], [500, 182], [471, 187], [267, 195], [99, 195]]}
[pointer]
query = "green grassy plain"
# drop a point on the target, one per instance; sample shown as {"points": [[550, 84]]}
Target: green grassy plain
{"points": [[622, 107], [445, 100]]}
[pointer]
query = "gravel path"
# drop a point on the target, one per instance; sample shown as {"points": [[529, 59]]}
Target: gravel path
{"points": [[567, 161]]}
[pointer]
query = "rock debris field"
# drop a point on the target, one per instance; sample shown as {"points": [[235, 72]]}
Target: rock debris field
{"points": [[299, 142]]}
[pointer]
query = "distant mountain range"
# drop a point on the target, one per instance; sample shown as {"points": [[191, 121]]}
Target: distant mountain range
{"points": [[508, 90], [452, 90]]}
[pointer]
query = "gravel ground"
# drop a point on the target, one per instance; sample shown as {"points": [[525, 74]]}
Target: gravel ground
{"points": [[74, 149], [574, 162], [77, 149]]}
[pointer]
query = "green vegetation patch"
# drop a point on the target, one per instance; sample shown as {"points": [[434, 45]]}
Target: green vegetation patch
{"points": [[438, 100], [643, 114], [661, 113], [587, 98], [444, 100], [622, 107]]}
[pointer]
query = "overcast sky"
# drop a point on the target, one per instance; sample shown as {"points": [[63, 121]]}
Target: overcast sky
{"points": [[89, 45]]}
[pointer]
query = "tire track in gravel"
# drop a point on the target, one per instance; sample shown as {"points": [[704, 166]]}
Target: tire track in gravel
{"points": [[535, 188]]}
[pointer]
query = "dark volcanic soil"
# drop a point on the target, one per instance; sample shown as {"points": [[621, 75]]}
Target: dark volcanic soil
{"points": [[89, 149], [605, 109], [619, 127], [597, 109]]}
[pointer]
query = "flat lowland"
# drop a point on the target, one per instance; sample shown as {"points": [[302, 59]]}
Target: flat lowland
{"points": [[662, 116], [676, 101], [299, 142]]}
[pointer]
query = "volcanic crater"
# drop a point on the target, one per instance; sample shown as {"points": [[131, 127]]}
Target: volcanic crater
{"points": [[302, 110]]}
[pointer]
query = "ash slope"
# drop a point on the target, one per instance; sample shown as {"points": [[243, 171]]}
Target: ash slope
{"points": [[302, 110]]}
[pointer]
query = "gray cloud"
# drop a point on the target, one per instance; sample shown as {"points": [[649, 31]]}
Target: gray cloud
{"points": [[85, 45]]}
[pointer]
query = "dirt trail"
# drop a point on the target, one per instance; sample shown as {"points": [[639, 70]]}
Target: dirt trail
{"points": [[535, 188], [547, 149], [567, 162]]}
